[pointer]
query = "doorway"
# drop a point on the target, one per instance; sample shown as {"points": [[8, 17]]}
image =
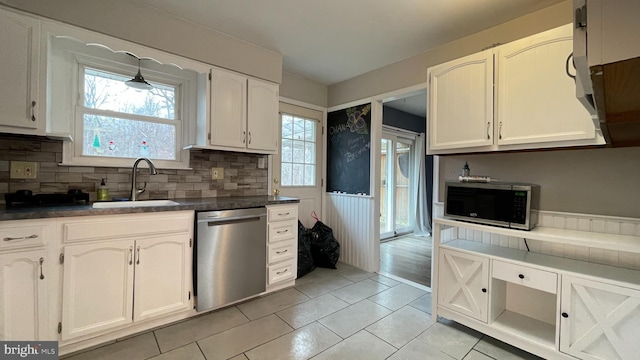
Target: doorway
{"points": [[397, 183], [296, 170], [405, 241]]}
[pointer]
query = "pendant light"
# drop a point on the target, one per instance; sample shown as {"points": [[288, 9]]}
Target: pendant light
{"points": [[138, 82]]}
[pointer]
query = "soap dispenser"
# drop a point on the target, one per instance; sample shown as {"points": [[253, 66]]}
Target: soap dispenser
{"points": [[466, 171], [103, 191]]}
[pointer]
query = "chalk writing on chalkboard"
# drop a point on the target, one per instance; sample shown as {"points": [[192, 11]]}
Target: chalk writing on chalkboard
{"points": [[349, 150]]}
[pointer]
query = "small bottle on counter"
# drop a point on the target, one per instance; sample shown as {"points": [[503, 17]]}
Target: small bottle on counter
{"points": [[465, 169], [103, 191]]}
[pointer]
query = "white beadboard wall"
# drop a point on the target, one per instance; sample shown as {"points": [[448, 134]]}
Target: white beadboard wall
{"points": [[569, 221], [350, 217]]}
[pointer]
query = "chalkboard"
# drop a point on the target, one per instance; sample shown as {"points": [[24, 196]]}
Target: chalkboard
{"points": [[349, 150]]}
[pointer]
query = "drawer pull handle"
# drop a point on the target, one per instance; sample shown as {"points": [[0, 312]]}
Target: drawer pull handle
{"points": [[285, 214], [41, 274], [521, 276], [565, 315], [34, 236], [130, 255], [282, 232], [282, 252], [138, 249], [33, 110], [484, 290], [281, 272]]}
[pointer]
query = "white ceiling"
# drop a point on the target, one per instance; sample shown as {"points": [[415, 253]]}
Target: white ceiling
{"points": [[330, 41]]}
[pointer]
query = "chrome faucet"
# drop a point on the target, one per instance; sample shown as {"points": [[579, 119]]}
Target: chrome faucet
{"points": [[135, 191]]}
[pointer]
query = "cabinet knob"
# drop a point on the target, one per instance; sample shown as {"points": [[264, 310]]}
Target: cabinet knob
{"points": [[521, 276], [484, 290], [565, 315]]}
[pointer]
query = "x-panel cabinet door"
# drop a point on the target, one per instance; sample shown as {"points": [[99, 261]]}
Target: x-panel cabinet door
{"points": [[599, 321], [463, 283]]}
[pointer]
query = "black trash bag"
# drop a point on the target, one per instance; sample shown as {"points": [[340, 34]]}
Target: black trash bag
{"points": [[325, 249], [305, 260]]}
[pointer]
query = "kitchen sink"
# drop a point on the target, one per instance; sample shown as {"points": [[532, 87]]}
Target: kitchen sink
{"points": [[129, 204]]}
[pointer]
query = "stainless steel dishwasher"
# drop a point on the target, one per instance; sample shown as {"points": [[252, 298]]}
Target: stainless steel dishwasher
{"points": [[231, 256]]}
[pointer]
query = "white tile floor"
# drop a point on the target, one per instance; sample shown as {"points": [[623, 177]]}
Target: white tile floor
{"points": [[330, 314]]}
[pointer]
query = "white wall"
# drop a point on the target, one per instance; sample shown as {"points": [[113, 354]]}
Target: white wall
{"points": [[305, 90], [413, 71], [131, 21]]}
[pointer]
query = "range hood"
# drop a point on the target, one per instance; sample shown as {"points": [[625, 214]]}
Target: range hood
{"points": [[607, 61]]}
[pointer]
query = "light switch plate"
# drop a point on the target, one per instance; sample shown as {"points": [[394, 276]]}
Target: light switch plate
{"points": [[23, 170], [217, 173]]}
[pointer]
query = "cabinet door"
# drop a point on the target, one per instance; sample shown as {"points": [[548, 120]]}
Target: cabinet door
{"points": [[536, 99], [601, 322], [228, 109], [23, 296], [461, 103], [19, 41], [163, 276], [463, 283], [262, 117], [97, 289]]}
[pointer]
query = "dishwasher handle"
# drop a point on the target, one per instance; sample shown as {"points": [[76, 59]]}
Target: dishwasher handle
{"points": [[216, 221]]}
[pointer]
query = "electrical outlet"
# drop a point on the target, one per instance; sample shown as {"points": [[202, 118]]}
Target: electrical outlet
{"points": [[217, 173], [23, 170], [262, 163]]}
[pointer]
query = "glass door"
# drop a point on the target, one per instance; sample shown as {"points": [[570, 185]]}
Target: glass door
{"points": [[397, 204]]}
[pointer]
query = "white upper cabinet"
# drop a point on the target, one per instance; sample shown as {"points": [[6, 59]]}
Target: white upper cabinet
{"points": [[243, 114], [527, 84], [228, 109], [19, 74], [461, 103], [262, 116], [536, 99]]}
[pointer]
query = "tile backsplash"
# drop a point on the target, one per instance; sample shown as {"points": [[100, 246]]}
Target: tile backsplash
{"points": [[242, 177]]}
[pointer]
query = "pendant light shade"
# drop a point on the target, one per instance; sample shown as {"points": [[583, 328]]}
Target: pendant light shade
{"points": [[138, 82]]}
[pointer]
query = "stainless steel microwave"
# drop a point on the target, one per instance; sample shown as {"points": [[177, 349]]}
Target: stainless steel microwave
{"points": [[495, 203]]}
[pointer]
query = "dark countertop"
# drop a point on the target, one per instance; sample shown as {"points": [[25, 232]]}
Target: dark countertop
{"points": [[206, 204]]}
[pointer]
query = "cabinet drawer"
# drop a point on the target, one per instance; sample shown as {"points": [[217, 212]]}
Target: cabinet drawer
{"points": [[525, 276], [281, 213], [281, 272], [280, 251], [21, 236], [282, 231]]}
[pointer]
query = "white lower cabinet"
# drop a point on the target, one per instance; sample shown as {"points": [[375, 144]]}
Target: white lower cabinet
{"points": [[282, 245], [111, 282], [97, 287], [464, 280], [23, 296], [554, 307], [599, 320], [26, 277]]}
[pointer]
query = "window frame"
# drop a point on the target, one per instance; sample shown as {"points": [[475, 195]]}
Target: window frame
{"points": [[81, 110], [304, 141], [66, 76]]}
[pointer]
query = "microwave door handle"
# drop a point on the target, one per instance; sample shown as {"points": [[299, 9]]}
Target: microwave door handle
{"points": [[566, 67]]}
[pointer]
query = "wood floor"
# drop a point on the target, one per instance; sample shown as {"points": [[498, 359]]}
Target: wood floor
{"points": [[408, 257]]}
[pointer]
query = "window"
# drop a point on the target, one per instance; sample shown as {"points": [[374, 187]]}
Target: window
{"points": [[119, 121], [111, 124], [298, 151]]}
